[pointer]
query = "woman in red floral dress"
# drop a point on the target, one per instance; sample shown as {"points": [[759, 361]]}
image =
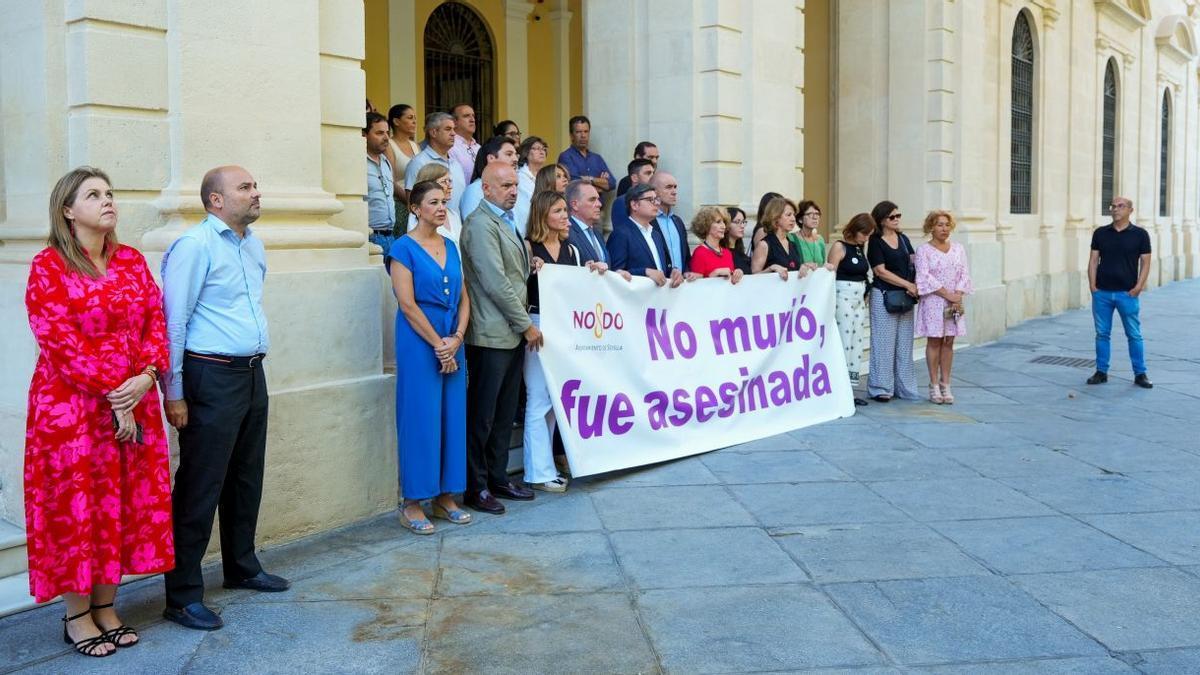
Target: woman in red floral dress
{"points": [[97, 469]]}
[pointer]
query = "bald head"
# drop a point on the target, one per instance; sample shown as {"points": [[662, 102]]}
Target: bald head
{"points": [[231, 194], [1120, 208], [500, 185], [667, 188]]}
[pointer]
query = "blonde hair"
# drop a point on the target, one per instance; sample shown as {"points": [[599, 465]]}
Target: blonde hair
{"points": [[62, 230], [774, 211], [706, 217], [431, 171], [932, 218], [539, 214]]}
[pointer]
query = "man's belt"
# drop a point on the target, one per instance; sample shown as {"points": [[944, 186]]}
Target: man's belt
{"points": [[231, 361]]}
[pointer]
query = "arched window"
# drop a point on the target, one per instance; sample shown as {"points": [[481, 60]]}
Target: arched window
{"points": [[1108, 137], [1164, 157], [459, 64], [1020, 198]]}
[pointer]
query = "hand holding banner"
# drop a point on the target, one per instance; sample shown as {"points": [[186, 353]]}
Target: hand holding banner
{"points": [[640, 373]]}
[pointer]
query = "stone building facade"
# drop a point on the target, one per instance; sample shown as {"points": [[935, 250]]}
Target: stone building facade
{"points": [[1020, 116]]}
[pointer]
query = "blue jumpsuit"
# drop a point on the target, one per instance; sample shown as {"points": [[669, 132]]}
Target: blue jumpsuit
{"points": [[431, 408]]}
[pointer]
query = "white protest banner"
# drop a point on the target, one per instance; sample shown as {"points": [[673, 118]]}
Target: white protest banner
{"points": [[641, 374]]}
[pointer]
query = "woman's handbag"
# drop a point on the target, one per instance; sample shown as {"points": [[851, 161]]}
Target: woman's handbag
{"points": [[898, 302]]}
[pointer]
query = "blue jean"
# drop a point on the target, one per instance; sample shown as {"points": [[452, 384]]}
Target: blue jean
{"points": [[384, 239], [1103, 304]]}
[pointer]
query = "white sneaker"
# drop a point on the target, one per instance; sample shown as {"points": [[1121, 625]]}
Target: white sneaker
{"points": [[557, 485]]}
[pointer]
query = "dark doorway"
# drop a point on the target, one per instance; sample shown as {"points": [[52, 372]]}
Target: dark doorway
{"points": [[460, 64]]}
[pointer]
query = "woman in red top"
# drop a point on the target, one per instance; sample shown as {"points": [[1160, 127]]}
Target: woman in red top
{"points": [[97, 470], [711, 259]]}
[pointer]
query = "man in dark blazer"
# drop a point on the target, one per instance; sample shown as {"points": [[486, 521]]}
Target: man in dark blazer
{"points": [[496, 265], [675, 233], [583, 204], [640, 171], [630, 241]]}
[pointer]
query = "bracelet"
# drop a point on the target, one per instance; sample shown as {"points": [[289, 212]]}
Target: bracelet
{"points": [[151, 371]]}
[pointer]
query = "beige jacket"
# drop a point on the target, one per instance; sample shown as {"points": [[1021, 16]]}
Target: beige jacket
{"points": [[496, 265]]}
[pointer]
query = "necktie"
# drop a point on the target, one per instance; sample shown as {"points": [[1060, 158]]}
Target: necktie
{"points": [[596, 244]]}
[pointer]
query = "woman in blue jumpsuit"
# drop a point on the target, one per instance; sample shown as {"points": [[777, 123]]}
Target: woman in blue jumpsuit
{"points": [[431, 383]]}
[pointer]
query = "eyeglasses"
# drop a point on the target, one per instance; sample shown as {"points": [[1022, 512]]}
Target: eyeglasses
{"points": [[653, 200], [813, 214], [738, 221], [894, 216], [1113, 207]]}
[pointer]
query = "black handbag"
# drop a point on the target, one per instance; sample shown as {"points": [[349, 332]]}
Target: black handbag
{"points": [[898, 302]]}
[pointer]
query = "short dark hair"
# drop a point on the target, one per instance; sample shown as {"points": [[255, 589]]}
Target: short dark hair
{"points": [[805, 205], [526, 145], [578, 119], [500, 127], [640, 149], [396, 112], [418, 192], [637, 164], [492, 147], [454, 110], [881, 211], [374, 118], [635, 193]]}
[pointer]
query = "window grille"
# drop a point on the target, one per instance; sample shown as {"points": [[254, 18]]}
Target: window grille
{"points": [[459, 64], [1021, 159], [1164, 157], [1109, 138]]}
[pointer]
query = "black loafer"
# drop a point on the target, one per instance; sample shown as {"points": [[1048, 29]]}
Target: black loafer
{"points": [[859, 402], [483, 501], [1098, 378], [512, 491], [195, 616], [261, 582], [1142, 381], [880, 398]]}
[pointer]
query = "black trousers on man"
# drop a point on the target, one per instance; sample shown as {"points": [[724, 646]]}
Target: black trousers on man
{"points": [[222, 451], [493, 385]]}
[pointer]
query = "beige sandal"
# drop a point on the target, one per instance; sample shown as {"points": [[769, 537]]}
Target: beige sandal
{"points": [[935, 394], [947, 397]]}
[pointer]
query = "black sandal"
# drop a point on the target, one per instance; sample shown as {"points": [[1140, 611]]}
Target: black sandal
{"points": [[86, 646], [114, 636]]}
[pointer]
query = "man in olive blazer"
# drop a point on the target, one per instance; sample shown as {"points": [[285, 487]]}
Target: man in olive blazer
{"points": [[496, 264]]}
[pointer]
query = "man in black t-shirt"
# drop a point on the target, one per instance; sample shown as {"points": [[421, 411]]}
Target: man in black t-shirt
{"points": [[1117, 271]]}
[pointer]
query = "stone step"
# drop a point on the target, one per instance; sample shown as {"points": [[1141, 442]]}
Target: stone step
{"points": [[12, 550]]}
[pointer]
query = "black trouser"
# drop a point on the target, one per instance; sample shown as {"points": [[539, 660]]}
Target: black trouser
{"points": [[493, 384], [221, 455]]}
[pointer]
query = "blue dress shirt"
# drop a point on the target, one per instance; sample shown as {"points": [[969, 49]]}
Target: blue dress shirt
{"points": [[380, 197], [473, 197], [671, 234], [592, 165], [212, 296]]}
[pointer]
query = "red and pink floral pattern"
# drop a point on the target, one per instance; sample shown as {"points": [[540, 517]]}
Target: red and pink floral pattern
{"points": [[95, 508]]}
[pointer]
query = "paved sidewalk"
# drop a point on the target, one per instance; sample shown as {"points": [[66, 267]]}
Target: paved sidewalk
{"points": [[1038, 525]]}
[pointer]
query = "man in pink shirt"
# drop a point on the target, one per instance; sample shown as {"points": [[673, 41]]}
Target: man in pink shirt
{"points": [[465, 146]]}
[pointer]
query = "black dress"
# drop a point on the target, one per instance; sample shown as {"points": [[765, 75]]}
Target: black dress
{"points": [[777, 254], [566, 256], [741, 261]]}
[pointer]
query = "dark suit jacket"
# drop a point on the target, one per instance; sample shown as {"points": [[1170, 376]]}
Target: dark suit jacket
{"points": [[587, 252], [619, 213], [624, 186], [684, 265], [629, 250]]}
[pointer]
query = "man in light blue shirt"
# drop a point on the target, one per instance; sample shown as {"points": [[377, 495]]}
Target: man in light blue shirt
{"points": [[673, 229], [217, 393], [381, 194], [499, 150], [439, 132]]}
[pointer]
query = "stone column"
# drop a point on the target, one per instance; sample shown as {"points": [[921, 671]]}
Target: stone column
{"points": [[157, 93], [560, 29], [516, 63]]}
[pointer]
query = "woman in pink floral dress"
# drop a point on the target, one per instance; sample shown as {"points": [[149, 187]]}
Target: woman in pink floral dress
{"points": [[97, 469], [942, 283]]}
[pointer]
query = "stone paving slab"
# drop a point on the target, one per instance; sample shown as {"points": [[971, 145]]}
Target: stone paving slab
{"points": [[1052, 544], [875, 551], [742, 629], [927, 621], [1124, 609], [714, 557], [1037, 526]]}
